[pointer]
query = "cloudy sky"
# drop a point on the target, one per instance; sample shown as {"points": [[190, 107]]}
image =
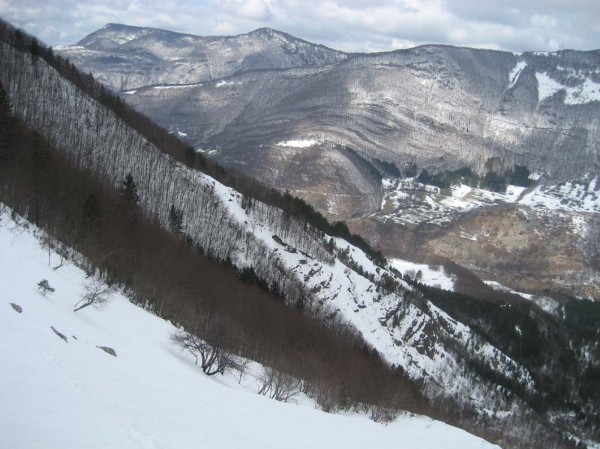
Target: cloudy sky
{"points": [[351, 25]]}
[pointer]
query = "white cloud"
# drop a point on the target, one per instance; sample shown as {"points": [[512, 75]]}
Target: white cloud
{"points": [[249, 9]]}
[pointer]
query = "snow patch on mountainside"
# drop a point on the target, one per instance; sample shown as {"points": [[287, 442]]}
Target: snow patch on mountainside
{"points": [[224, 83], [575, 196], [584, 92], [299, 143], [407, 201], [67, 393], [516, 71], [173, 86], [546, 86], [497, 286], [434, 276]]}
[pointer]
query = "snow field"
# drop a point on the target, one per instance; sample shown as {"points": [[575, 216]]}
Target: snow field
{"points": [[300, 143], [433, 276], [516, 71]]}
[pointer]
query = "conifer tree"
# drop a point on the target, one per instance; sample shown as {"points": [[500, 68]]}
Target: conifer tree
{"points": [[129, 190], [6, 128], [176, 220], [5, 107], [91, 212]]}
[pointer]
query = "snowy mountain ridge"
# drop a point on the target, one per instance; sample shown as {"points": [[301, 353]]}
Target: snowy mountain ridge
{"points": [[439, 107]]}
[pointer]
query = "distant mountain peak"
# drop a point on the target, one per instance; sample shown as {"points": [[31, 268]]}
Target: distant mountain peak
{"points": [[271, 33], [267, 30], [113, 25], [290, 41], [111, 35]]}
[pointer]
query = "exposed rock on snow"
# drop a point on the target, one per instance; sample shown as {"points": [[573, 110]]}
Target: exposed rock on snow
{"points": [[17, 307], [108, 350], [59, 334]]}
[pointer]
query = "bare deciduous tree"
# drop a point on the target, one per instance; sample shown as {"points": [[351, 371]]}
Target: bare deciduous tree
{"points": [[383, 415], [96, 293], [388, 409], [242, 367], [212, 357], [279, 386]]}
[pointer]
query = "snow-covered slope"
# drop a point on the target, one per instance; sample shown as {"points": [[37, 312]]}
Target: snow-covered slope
{"points": [[434, 276], [71, 394]]}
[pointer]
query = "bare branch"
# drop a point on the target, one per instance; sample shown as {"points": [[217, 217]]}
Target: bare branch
{"points": [[279, 386], [96, 293], [213, 358]]}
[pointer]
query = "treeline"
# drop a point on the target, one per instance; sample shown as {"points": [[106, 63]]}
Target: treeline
{"points": [[496, 182], [584, 316], [299, 208], [539, 342], [164, 273], [180, 151]]}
